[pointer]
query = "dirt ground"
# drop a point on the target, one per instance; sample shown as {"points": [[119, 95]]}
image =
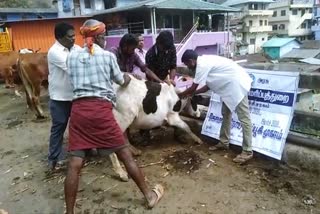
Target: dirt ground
{"points": [[195, 180]]}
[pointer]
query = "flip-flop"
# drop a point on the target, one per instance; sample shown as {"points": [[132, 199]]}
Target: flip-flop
{"points": [[159, 191]]}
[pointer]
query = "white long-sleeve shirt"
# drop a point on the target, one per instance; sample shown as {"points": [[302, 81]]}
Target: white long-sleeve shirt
{"points": [[59, 84], [224, 77]]}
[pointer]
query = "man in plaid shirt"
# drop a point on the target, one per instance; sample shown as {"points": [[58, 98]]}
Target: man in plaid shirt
{"points": [[92, 123]]}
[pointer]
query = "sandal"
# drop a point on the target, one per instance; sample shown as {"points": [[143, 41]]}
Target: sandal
{"points": [[243, 157], [159, 191]]}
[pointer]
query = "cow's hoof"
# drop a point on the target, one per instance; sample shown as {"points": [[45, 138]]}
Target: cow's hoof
{"points": [[41, 117]]}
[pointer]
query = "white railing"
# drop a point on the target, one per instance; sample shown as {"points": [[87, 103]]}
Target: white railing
{"points": [[131, 27], [183, 41]]}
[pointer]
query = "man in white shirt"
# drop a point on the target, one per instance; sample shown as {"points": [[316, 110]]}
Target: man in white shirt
{"points": [[141, 52], [60, 90], [232, 83]]}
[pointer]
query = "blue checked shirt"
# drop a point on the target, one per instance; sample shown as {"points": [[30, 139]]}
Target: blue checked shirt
{"points": [[93, 75]]}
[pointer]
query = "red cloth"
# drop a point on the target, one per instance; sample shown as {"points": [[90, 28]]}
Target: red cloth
{"points": [[92, 125]]}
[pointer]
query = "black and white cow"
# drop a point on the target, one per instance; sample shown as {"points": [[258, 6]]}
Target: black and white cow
{"points": [[146, 105]]}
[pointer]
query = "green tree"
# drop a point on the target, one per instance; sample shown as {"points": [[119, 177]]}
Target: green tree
{"points": [[14, 3]]}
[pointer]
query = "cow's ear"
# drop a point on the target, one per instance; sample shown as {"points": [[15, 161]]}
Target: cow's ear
{"points": [[177, 106]]}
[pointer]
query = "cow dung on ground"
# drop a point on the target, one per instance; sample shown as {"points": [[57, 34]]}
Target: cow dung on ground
{"points": [[185, 160]]}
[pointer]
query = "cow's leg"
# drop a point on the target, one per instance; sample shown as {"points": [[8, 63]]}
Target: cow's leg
{"points": [[27, 88], [8, 78], [117, 167], [28, 100], [134, 150], [36, 100], [175, 120]]}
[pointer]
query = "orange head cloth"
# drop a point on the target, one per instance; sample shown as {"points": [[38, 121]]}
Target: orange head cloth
{"points": [[89, 32]]}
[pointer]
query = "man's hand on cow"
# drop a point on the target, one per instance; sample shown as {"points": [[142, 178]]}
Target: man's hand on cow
{"points": [[170, 82], [127, 80], [137, 76]]}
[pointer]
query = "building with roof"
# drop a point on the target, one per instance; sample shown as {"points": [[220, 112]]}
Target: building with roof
{"points": [[149, 16], [316, 20], [186, 19], [21, 14], [72, 8], [253, 26], [275, 48], [292, 18]]}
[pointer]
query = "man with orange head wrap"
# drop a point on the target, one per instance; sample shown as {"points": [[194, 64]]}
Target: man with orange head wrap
{"points": [[92, 124]]}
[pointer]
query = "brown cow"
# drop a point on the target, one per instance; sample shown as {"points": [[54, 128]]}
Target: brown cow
{"points": [[8, 72], [33, 71], [8, 69]]}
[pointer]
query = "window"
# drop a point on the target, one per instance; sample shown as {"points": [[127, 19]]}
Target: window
{"points": [[274, 27], [261, 22], [252, 41], [109, 4], [274, 14], [283, 12], [266, 22], [282, 27], [172, 21], [176, 21], [87, 4], [262, 39], [253, 6], [303, 26], [250, 23], [303, 12], [310, 10], [294, 12]]}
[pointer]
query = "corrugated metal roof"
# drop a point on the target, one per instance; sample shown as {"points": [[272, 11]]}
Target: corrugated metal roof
{"points": [[237, 2], [28, 10], [311, 61], [298, 53], [277, 42], [311, 44], [170, 4]]}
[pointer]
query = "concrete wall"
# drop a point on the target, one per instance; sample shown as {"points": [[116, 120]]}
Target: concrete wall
{"points": [[121, 3], [207, 50], [204, 39], [260, 39], [61, 12], [113, 41], [95, 5]]}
